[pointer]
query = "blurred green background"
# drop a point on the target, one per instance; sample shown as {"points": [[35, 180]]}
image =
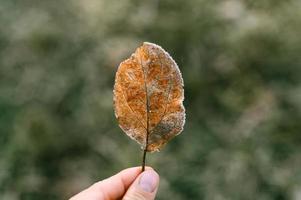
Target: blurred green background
{"points": [[241, 66]]}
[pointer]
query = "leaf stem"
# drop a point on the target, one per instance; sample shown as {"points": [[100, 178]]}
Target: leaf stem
{"points": [[145, 151], [144, 159]]}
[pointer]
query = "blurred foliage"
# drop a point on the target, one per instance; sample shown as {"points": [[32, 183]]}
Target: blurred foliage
{"points": [[241, 65]]}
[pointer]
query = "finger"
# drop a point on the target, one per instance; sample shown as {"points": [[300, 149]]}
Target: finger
{"points": [[144, 187], [115, 186], [110, 188]]}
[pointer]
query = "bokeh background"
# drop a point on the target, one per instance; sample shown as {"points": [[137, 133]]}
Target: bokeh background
{"points": [[241, 66]]}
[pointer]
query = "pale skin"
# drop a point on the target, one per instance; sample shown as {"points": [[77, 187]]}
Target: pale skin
{"points": [[129, 184]]}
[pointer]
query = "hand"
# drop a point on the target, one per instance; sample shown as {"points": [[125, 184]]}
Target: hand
{"points": [[129, 184]]}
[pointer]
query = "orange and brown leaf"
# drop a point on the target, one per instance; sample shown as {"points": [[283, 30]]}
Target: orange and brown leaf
{"points": [[148, 97]]}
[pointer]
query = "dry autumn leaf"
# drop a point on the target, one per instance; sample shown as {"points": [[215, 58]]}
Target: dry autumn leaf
{"points": [[148, 97]]}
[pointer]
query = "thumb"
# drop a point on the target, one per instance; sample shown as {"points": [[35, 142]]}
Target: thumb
{"points": [[144, 187]]}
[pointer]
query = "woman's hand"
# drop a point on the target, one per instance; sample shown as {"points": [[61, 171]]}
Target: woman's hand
{"points": [[129, 184]]}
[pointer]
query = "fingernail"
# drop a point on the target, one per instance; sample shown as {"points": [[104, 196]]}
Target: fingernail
{"points": [[148, 181]]}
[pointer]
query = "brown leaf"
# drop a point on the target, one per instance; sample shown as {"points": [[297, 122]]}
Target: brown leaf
{"points": [[148, 97]]}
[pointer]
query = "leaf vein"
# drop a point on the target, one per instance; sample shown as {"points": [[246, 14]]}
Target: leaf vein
{"points": [[139, 120]]}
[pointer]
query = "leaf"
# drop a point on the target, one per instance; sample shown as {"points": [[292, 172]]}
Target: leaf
{"points": [[148, 97]]}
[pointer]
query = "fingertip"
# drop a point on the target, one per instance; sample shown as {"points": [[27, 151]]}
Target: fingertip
{"points": [[145, 186], [149, 180], [148, 168], [131, 170], [136, 170]]}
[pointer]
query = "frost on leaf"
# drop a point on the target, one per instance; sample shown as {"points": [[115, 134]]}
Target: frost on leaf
{"points": [[148, 97]]}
